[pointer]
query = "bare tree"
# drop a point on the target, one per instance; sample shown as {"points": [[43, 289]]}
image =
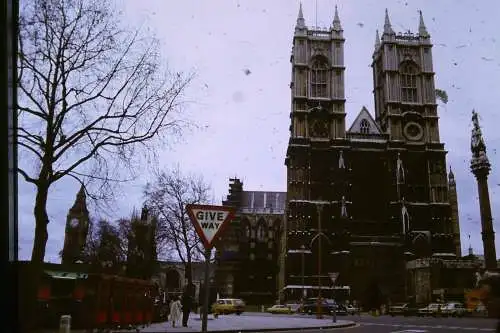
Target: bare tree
{"points": [[92, 95], [168, 196], [105, 248]]}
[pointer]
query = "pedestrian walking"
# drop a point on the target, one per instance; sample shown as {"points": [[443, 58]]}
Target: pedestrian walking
{"points": [[175, 311], [187, 302]]}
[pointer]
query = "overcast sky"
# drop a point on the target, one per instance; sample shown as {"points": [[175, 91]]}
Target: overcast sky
{"points": [[240, 51]]}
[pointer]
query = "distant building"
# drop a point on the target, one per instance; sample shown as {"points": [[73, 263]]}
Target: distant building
{"points": [[141, 251], [433, 279], [247, 254], [77, 228]]}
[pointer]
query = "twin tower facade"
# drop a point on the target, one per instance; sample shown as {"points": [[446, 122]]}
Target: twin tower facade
{"points": [[363, 202]]}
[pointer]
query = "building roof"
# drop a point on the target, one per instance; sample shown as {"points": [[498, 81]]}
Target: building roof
{"points": [[372, 127]]}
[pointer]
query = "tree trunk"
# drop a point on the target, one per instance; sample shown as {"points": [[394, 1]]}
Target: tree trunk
{"points": [[189, 271], [37, 256], [41, 221]]}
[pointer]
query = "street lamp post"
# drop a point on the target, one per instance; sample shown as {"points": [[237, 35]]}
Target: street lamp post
{"points": [[320, 208], [319, 234], [303, 248]]}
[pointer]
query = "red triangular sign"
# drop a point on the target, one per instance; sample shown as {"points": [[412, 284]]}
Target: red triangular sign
{"points": [[333, 277], [209, 221]]}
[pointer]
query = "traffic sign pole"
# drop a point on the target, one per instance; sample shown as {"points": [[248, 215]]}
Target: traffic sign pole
{"points": [[333, 277], [207, 291], [209, 222]]}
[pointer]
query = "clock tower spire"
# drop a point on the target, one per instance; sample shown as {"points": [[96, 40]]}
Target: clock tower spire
{"points": [[77, 227]]}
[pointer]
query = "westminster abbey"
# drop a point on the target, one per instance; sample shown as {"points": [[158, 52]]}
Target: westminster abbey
{"points": [[365, 201]]}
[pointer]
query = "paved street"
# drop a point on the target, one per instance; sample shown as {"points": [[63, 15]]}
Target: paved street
{"points": [[427, 324], [387, 324], [254, 322], [259, 322], [251, 322]]}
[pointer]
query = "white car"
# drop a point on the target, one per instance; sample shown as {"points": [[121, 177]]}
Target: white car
{"points": [[430, 310], [454, 309], [294, 307], [352, 310]]}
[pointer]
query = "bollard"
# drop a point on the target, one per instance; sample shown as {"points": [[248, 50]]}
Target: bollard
{"points": [[65, 324], [334, 314], [262, 308]]}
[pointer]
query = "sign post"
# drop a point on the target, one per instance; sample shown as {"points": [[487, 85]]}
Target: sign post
{"points": [[333, 277], [209, 222]]}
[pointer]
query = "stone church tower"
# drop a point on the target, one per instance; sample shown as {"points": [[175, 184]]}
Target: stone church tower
{"points": [[77, 227], [363, 202], [317, 82]]}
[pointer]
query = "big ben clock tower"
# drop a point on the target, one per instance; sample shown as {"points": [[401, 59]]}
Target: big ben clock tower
{"points": [[77, 226]]}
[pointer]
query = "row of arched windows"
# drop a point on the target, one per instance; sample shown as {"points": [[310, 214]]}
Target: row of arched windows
{"points": [[261, 232]]}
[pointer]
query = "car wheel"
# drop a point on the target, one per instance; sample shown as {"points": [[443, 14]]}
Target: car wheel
{"points": [[238, 313]]}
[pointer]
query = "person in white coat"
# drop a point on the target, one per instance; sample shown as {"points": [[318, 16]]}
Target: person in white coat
{"points": [[175, 311]]}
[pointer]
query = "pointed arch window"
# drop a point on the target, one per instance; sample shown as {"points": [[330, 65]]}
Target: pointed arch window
{"points": [[261, 232], [246, 231], [364, 127], [319, 78], [408, 80]]}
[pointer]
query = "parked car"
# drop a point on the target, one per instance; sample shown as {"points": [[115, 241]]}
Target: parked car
{"points": [[411, 310], [279, 309], [352, 310], [397, 309], [228, 306], [327, 306], [454, 309], [341, 310], [294, 307], [430, 310]]}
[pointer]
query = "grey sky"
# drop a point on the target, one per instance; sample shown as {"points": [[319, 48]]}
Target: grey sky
{"points": [[246, 113]]}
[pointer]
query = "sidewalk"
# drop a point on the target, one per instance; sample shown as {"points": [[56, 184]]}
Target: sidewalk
{"points": [[250, 323]]}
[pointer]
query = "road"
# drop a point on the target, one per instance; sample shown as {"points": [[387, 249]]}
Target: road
{"points": [[387, 324]]}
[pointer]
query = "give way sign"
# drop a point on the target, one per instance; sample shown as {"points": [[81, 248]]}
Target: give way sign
{"points": [[209, 221]]}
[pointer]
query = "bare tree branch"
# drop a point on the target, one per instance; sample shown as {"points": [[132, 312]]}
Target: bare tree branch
{"points": [[168, 196], [94, 99]]}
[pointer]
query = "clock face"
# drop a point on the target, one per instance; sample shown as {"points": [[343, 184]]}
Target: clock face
{"points": [[73, 222], [413, 131]]}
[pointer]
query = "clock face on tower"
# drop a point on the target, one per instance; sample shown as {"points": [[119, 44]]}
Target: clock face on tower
{"points": [[413, 131], [74, 222]]}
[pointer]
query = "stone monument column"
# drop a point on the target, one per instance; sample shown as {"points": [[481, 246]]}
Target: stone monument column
{"points": [[480, 167]]}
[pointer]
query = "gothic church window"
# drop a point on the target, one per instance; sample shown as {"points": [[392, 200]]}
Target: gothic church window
{"points": [[247, 231], [319, 78], [364, 127], [261, 233], [408, 80], [301, 52]]}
